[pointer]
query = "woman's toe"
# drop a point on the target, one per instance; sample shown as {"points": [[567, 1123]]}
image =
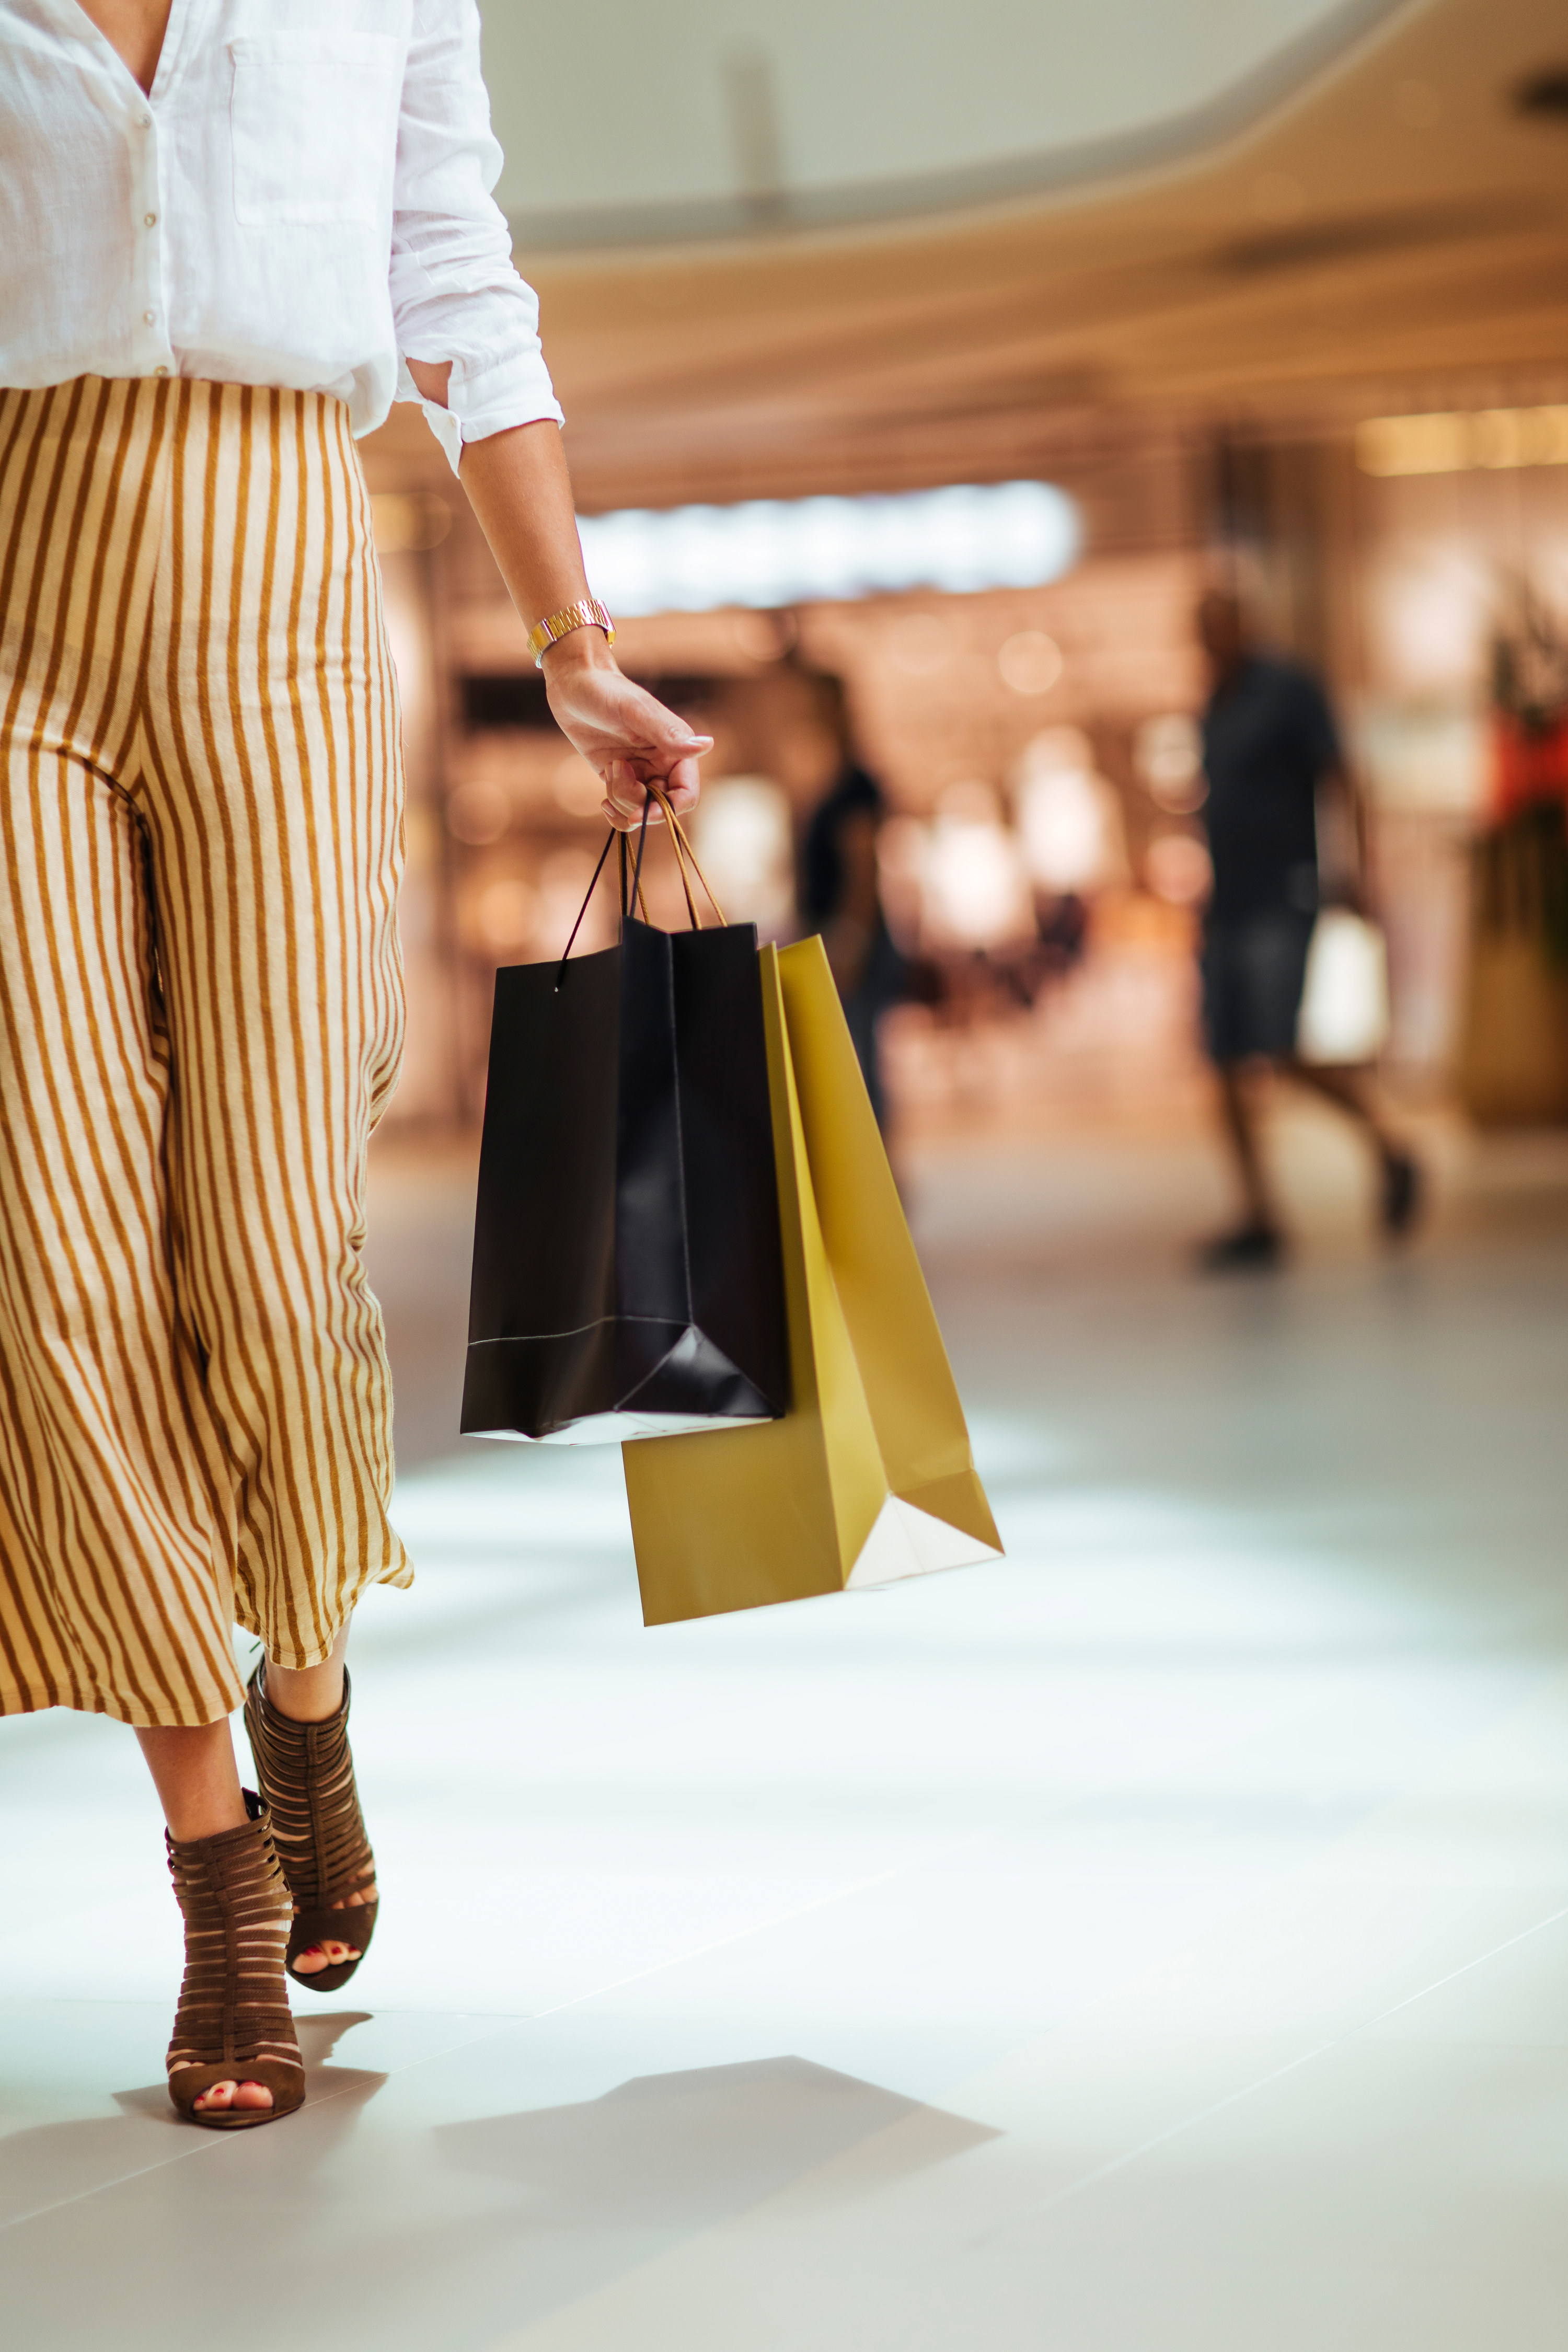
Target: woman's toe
{"points": [[330, 1955], [253, 2095], [216, 2095]]}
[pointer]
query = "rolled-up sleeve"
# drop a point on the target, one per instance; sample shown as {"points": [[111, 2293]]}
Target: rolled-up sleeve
{"points": [[454, 294]]}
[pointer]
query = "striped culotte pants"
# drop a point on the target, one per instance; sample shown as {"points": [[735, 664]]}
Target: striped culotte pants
{"points": [[200, 1018]]}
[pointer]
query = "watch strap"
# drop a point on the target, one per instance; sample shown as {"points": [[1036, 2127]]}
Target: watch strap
{"points": [[586, 614]]}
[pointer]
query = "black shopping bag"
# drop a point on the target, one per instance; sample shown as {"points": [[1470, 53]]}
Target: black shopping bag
{"points": [[629, 1278]]}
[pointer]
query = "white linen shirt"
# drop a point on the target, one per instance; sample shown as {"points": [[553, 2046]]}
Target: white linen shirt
{"points": [[303, 200]]}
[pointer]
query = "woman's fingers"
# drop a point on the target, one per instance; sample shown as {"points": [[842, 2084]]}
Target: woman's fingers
{"points": [[631, 739], [626, 788], [683, 785], [624, 794], [670, 738]]}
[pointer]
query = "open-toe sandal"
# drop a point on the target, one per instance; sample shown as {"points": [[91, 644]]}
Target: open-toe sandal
{"points": [[233, 2023], [307, 1776]]}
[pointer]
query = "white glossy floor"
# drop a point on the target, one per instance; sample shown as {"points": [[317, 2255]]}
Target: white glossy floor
{"points": [[1156, 1943]]}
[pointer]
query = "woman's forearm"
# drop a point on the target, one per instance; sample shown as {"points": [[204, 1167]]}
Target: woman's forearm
{"points": [[519, 488]]}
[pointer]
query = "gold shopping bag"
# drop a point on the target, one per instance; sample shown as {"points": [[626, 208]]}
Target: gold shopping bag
{"points": [[869, 1476]]}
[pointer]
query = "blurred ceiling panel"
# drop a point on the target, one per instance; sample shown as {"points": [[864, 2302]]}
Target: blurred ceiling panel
{"points": [[625, 123], [1392, 236]]}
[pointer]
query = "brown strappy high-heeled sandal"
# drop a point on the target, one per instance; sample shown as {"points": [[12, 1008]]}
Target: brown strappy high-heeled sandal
{"points": [[307, 1776], [233, 2023]]}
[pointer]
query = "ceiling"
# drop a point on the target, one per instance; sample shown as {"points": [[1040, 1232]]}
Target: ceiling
{"points": [[702, 118], [1393, 231]]}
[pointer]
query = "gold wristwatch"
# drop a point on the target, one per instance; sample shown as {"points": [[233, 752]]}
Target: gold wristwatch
{"points": [[587, 614]]}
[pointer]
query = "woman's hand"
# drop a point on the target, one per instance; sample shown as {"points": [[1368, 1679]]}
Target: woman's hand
{"points": [[627, 737], [518, 485]]}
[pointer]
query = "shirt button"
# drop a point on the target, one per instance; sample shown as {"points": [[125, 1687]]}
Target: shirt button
{"points": [[150, 318], [160, 371], [149, 220], [145, 121]]}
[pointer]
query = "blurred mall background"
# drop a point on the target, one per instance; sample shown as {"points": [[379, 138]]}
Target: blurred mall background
{"points": [[1272, 295], [1156, 1941]]}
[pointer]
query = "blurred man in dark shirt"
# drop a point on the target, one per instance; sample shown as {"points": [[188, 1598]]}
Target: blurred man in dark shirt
{"points": [[839, 893], [1268, 745]]}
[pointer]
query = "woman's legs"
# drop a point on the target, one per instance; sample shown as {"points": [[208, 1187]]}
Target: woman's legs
{"points": [[309, 1694], [269, 786], [270, 789], [196, 1779], [198, 1786], [200, 1016], [199, 827], [313, 1694]]}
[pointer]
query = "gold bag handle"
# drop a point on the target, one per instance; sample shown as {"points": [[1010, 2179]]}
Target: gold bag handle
{"points": [[683, 850]]}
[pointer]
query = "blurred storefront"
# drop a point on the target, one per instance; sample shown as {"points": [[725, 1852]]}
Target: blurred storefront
{"points": [[1033, 743], [1319, 362], [1037, 745], [1419, 559]]}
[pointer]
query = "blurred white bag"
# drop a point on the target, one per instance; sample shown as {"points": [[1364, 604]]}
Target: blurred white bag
{"points": [[1344, 1007]]}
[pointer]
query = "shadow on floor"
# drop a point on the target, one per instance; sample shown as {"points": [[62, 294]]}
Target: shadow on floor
{"points": [[53, 2164], [684, 2151], [413, 2238]]}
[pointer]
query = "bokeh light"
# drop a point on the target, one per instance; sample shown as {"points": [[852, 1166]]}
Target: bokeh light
{"points": [[1167, 753], [1177, 868]]}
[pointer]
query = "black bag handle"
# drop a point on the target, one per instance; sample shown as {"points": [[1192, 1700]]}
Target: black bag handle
{"points": [[637, 897], [582, 909], [627, 902], [683, 851]]}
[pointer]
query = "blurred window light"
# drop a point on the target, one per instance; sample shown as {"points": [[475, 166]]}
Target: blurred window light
{"points": [[1030, 663], [1069, 816], [1461, 440], [1422, 757], [1167, 753], [975, 892], [1071, 840], [773, 551], [744, 838]]}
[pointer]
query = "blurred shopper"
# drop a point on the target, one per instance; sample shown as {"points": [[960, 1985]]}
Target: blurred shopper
{"points": [[1270, 745], [839, 894], [214, 275]]}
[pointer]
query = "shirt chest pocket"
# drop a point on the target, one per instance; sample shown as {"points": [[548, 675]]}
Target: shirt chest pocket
{"points": [[313, 121]]}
